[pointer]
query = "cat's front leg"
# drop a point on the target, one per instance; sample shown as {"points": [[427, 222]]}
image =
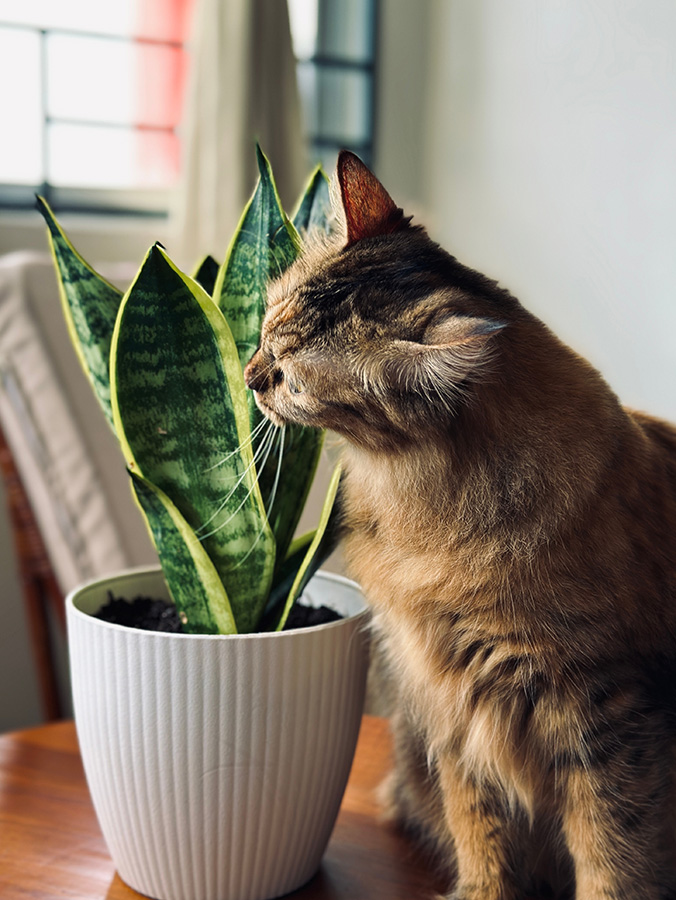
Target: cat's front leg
{"points": [[410, 796], [487, 834], [618, 826]]}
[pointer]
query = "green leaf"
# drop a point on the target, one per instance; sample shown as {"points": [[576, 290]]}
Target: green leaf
{"points": [[206, 273], [300, 544], [285, 575], [195, 586], [180, 410], [321, 546], [263, 246], [285, 494], [314, 208], [90, 306], [303, 446]]}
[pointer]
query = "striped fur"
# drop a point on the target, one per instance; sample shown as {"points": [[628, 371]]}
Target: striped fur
{"points": [[514, 529]]}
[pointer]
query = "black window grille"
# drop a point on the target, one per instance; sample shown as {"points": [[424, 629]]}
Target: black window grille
{"points": [[336, 74], [54, 124], [337, 79]]}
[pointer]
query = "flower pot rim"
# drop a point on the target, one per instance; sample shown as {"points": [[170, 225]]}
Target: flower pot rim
{"points": [[132, 573]]}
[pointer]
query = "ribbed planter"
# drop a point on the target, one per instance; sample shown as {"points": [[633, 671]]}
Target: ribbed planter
{"points": [[216, 764]]}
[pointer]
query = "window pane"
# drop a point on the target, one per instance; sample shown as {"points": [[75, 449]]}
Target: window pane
{"points": [[343, 105], [306, 73], [303, 20], [345, 29], [93, 156], [90, 79], [100, 80], [160, 19], [20, 107]]}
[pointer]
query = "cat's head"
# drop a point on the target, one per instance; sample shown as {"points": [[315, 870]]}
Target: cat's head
{"points": [[377, 332]]}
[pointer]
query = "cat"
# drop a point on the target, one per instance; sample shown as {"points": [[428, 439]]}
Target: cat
{"points": [[514, 531]]}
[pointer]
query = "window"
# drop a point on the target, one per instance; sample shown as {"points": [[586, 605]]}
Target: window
{"points": [[108, 79], [104, 78], [335, 45]]}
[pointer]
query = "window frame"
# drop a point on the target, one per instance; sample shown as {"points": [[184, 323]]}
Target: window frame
{"points": [[366, 66], [140, 202], [154, 202]]}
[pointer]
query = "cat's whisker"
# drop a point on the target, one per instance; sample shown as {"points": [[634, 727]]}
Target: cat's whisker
{"points": [[249, 441], [266, 442], [249, 551], [270, 439], [269, 368], [223, 504], [280, 270], [270, 503], [273, 492]]}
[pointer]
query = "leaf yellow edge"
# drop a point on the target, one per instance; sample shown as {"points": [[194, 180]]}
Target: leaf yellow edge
{"points": [[329, 500], [212, 583]]}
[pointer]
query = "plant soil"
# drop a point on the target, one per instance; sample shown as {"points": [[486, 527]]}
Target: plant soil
{"points": [[151, 614]]}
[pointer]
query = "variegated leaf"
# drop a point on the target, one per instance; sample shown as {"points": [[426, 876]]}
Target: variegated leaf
{"points": [[322, 544], [285, 575], [314, 208], [285, 487], [206, 273], [180, 410], [264, 244], [197, 590], [302, 446], [90, 306]]}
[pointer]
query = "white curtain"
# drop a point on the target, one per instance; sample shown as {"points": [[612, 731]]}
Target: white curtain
{"points": [[242, 89]]}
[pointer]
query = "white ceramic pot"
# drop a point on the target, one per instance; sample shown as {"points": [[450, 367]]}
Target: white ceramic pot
{"points": [[216, 763]]}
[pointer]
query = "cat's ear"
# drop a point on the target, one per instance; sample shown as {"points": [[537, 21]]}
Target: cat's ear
{"points": [[369, 209], [457, 349]]}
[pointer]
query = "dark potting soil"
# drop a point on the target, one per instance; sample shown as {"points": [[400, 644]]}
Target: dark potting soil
{"points": [[151, 614]]}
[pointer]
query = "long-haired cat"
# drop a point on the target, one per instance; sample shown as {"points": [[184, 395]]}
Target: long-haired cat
{"points": [[514, 530]]}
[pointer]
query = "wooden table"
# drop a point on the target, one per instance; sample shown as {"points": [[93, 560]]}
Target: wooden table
{"points": [[51, 846]]}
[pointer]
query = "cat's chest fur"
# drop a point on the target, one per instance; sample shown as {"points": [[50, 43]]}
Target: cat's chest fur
{"points": [[447, 622], [499, 661]]}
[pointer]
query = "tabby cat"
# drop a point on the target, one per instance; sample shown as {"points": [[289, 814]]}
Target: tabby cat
{"points": [[514, 530]]}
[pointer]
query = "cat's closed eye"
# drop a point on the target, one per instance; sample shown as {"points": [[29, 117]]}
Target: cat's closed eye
{"points": [[294, 386]]}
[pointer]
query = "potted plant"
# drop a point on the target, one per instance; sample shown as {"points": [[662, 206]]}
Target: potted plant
{"points": [[216, 757]]}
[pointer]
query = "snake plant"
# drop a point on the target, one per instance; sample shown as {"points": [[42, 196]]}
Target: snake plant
{"points": [[221, 488]]}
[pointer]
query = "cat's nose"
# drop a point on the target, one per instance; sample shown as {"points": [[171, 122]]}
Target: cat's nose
{"points": [[255, 377]]}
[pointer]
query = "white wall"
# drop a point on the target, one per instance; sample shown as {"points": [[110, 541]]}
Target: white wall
{"points": [[546, 157]]}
